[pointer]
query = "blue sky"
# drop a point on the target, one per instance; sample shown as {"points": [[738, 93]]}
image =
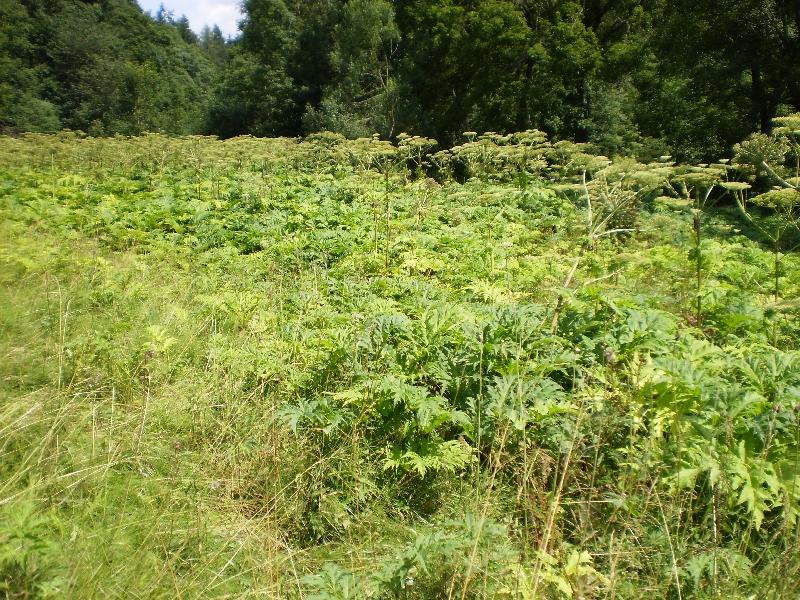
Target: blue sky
{"points": [[224, 13]]}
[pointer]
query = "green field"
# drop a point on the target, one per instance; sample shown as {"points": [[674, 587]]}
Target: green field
{"points": [[328, 369]]}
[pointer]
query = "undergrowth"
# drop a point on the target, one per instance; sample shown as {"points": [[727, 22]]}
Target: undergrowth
{"points": [[326, 369]]}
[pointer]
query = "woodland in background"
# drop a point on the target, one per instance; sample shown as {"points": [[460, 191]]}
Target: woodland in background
{"points": [[640, 77]]}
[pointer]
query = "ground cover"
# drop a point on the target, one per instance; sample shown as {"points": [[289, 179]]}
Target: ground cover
{"points": [[349, 369]]}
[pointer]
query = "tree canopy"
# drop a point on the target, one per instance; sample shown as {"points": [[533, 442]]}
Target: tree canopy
{"points": [[640, 77]]}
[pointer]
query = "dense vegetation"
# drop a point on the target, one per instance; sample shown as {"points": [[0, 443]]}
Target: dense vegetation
{"points": [[355, 363], [636, 77], [101, 67], [333, 369]]}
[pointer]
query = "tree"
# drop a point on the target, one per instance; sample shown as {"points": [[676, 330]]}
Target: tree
{"points": [[310, 65], [732, 63], [21, 82], [461, 66], [565, 55], [213, 44], [256, 94], [362, 99]]}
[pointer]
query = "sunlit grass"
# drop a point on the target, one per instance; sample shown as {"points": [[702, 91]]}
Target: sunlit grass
{"points": [[258, 368]]}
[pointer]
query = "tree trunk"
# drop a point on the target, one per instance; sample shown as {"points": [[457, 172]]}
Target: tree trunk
{"points": [[524, 109], [762, 107]]}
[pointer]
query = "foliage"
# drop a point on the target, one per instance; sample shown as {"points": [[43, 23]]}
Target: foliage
{"points": [[333, 368], [594, 71], [361, 99], [104, 68]]}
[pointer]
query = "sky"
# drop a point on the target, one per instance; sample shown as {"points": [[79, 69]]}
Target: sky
{"points": [[225, 13]]}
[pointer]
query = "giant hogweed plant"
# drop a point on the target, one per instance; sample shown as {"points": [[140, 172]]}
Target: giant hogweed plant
{"points": [[696, 185], [723, 424], [331, 360], [779, 218], [611, 200], [467, 558], [728, 425], [434, 383], [494, 157]]}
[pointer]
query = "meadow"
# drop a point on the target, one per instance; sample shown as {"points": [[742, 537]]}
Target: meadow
{"points": [[317, 368]]}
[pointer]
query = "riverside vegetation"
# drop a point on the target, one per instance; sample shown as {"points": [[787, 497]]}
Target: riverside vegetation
{"points": [[329, 369]]}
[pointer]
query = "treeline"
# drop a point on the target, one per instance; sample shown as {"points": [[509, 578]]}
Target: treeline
{"points": [[647, 77], [103, 67]]}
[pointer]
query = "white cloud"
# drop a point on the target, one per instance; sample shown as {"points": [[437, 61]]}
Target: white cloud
{"points": [[225, 13]]}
